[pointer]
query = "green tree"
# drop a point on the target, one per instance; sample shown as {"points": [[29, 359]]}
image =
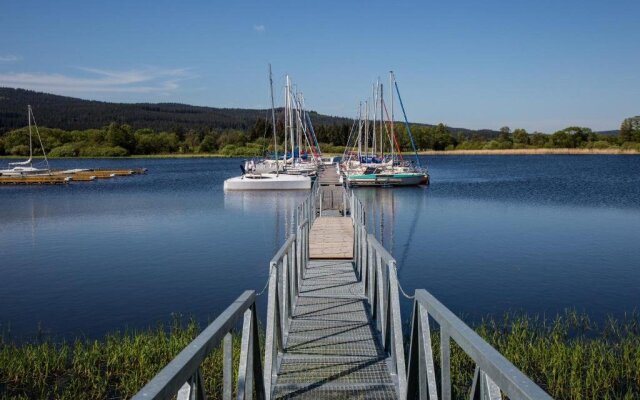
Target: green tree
{"points": [[121, 136], [208, 144], [561, 139], [538, 139], [520, 136], [630, 130]]}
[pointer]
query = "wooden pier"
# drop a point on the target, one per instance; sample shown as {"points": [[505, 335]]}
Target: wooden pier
{"points": [[59, 177], [334, 327]]}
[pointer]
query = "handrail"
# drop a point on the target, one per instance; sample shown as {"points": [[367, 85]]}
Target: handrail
{"points": [[182, 375], [494, 373], [376, 269], [286, 271]]}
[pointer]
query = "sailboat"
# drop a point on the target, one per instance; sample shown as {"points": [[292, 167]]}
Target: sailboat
{"points": [[369, 169], [253, 180], [25, 168]]}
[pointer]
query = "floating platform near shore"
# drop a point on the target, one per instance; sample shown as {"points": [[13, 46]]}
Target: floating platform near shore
{"points": [[61, 177]]}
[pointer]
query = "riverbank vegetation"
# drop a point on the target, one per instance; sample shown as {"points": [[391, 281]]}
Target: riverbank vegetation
{"points": [[116, 140], [570, 356], [72, 127]]}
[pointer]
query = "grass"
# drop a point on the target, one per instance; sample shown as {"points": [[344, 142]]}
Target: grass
{"points": [[571, 357]]}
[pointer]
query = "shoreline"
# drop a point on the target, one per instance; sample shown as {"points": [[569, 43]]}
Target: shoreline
{"points": [[511, 152], [478, 152]]}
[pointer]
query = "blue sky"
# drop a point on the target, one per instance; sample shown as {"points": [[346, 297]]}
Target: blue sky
{"points": [[541, 65]]}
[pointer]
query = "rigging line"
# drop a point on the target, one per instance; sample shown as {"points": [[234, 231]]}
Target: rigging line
{"points": [[39, 138], [406, 122], [266, 130], [393, 136], [351, 132], [387, 130], [315, 138]]}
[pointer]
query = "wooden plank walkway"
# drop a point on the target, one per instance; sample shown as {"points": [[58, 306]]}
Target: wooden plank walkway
{"points": [[333, 349], [331, 238]]}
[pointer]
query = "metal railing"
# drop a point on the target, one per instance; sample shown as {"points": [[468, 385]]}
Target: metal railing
{"points": [[182, 376], [494, 374], [286, 271], [377, 271]]}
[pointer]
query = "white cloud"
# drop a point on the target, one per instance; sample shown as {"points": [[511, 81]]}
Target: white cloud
{"points": [[9, 58], [259, 28], [148, 80]]}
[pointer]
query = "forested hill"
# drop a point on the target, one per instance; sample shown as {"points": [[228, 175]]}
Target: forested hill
{"points": [[70, 113]]}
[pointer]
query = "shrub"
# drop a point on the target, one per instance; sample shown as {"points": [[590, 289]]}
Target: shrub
{"points": [[103, 151], [66, 150], [20, 150]]}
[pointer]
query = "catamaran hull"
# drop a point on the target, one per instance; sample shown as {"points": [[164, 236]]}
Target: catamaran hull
{"points": [[388, 180], [268, 182], [24, 172]]}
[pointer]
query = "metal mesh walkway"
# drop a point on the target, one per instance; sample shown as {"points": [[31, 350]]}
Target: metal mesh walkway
{"points": [[333, 349]]}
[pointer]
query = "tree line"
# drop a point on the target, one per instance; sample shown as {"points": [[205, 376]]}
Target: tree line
{"points": [[440, 137], [118, 140]]}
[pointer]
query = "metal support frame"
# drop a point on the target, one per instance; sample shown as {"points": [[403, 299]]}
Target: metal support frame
{"points": [[285, 279], [494, 374], [182, 376]]}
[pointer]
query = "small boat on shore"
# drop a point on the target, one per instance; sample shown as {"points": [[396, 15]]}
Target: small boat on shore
{"points": [[26, 168]]}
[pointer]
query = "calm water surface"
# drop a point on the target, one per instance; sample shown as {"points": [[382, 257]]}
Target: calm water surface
{"points": [[532, 233]]}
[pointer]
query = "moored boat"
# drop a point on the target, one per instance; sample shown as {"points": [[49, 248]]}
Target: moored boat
{"points": [[272, 174], [268, 181], [26, 168]]}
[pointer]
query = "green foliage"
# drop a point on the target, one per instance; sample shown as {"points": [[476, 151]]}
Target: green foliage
{"points": [[118, 140], [209, 144], [520, 136], [103, 151], [66, 150], [19, 150], [630, 130], [121, 136], [570, 357], [113, 368]]}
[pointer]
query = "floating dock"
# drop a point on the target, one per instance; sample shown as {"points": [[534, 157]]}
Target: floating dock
{"points": [[61, 177]]}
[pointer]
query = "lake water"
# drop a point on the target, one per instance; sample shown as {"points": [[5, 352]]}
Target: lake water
{"points": [[491, 234]]}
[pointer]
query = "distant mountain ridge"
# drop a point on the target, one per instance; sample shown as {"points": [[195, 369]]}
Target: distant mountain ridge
{"points": [[70, 113]]}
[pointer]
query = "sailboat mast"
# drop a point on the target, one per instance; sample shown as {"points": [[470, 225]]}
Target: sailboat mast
{"points": [[291, 137], [366, 129], [392, 131], [382, 127], [373, 134], [30, 139], [286, 123], [273, 121], [299, 124], [360, 132]]}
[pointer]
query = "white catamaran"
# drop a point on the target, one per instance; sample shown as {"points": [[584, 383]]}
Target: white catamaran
{"points": [[26, 168], [253, 179]]}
